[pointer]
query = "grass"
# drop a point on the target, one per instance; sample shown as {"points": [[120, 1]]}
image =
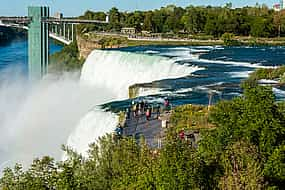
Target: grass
{"points": [[190, 117]]}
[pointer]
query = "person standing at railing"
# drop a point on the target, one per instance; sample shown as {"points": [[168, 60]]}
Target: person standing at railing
{"points": [[157, 111], [166, 104], [148, 114]]}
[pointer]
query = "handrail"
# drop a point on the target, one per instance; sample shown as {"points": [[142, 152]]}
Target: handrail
{"points": [[17, 19], [74, 21]]}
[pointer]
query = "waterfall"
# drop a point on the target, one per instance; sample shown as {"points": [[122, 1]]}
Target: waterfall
{"points": [[115, 71]]}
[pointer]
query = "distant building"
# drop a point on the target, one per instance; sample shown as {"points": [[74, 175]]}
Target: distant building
{"points": [[58, 15], [128, 30], [107, 18], [145, 32]]}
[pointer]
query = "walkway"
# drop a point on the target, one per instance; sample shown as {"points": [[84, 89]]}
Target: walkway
{"points": [[151, 130]]}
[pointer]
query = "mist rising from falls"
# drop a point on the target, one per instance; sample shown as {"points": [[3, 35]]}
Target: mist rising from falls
{"points": [[35, 120]]}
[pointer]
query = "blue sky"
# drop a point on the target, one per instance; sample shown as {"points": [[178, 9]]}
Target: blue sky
{"points": [[77, 7]]}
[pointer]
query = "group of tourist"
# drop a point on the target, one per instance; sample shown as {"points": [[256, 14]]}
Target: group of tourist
{"points": [[142, 109]]}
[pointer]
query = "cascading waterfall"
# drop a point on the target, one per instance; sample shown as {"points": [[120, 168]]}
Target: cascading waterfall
{"points": [[116, 71]]}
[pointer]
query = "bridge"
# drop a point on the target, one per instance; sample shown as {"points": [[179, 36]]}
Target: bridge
{"points": [[41, 26]]}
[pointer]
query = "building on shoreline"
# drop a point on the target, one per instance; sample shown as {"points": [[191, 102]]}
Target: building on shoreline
{"points": [[128, 30]]}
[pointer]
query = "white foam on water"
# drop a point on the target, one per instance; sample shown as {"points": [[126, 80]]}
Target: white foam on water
{"points": [[151, 52], [234, 63], [184, 90], [267, 81], [278, 92], [241, 74], [206, 88], [193, 54]]}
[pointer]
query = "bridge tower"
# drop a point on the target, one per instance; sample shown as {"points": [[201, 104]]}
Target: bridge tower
{"points": [[38, 35]]}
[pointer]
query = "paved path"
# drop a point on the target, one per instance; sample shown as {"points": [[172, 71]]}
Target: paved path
{"points": [[151, 130]]}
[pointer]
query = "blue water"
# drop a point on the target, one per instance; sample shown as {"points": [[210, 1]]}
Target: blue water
{"points": [[224, 69], [15, 54]]}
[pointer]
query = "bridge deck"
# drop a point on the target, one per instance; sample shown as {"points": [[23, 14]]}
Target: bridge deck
{"points": [[52, 20], [16, 19]]}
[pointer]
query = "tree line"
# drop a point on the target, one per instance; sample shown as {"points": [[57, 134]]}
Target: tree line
{"points": [[244, 150], [257, 21]]}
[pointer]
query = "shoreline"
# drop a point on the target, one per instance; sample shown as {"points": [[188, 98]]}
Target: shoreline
{"points": [[194, 42]]}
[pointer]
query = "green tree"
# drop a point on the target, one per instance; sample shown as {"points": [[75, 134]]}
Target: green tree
{"points": [[275, 166], [229, 39], [147, 23], [178, 166], [114, 19]]}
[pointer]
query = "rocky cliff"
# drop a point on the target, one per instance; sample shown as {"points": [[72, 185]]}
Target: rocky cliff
{"points": [[89, 42]]}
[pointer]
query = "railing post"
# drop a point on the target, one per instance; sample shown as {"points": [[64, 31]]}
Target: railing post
{"points": [[60, 30], [72, 32], [68, 32], [56, 29], [63, 31]]}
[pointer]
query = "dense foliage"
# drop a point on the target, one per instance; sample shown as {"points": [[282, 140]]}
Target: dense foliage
{"points": [[244, 151], [67, 59], [258, 21]]}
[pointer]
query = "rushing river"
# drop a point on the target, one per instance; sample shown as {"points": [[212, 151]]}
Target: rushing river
{"points": [[35, 119]]}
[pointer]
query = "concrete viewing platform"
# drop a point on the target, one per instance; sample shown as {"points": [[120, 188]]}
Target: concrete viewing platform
{"points": [[152, 130]]}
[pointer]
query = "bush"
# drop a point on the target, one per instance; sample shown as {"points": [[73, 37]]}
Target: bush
{"points": [[229, 39], [67, 59], [262, 73]]}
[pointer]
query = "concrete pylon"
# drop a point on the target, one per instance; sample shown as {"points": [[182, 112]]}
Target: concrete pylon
{"points": [[38, 37]]}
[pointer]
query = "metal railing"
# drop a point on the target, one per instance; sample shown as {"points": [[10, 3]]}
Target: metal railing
{"points": [[72, 21], [16, 19]]}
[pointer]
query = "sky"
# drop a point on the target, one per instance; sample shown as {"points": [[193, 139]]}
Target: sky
{"points": [[78, 7]]}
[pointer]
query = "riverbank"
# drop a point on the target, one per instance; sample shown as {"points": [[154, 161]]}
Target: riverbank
{"points": [[239, 41]]}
